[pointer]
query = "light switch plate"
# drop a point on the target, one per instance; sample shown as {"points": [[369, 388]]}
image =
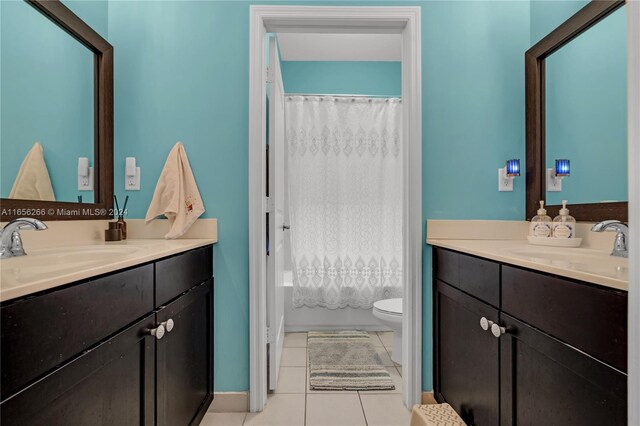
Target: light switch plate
{"points": [[554, 184], [85, 183], [505, 183], [132, 183]]}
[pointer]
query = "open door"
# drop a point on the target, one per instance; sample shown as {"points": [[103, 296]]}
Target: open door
{"points": [[276, 227]]}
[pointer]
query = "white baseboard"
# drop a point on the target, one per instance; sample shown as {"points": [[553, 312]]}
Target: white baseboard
{"points": [[321, 327], [229, 402]]}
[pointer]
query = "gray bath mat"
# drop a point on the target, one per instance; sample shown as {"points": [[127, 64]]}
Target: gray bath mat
{"points": [[345, 360]]}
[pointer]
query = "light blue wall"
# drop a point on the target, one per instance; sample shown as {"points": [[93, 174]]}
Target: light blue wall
{"points": [[354, 78], [546, 15], [181, 73], [46, 94], [473, 119], [586, 112]]}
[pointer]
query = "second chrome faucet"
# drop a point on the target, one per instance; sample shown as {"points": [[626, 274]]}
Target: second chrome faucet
{"points": [[620, 247]]}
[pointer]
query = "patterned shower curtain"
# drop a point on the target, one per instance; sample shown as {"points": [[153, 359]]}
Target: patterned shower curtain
{"points": [[345, 199]]}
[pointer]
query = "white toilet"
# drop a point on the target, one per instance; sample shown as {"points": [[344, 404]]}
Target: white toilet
{"points": [[389, 312]]}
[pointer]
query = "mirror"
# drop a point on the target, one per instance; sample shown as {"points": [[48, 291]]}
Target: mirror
{"points": [[576, 110], [56, 99], [47, 108], [586, 113]]}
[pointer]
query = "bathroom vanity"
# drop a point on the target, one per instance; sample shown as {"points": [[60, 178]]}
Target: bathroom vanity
{"points": [[514, 345], [129, 346]]}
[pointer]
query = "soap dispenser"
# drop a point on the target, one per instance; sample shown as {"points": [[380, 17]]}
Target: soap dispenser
{"points": [[540, 225], [564, 225]]}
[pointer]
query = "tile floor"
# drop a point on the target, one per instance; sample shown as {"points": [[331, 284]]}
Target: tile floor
{"points": [[292, 403]]}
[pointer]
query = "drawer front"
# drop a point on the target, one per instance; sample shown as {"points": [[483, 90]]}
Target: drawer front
{"points": [[447, 266], [42, 332], [478, 277], [590, 318], [179, 273]]}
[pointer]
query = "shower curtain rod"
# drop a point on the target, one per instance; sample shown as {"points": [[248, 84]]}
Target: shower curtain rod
{"points": [[343, 96]]}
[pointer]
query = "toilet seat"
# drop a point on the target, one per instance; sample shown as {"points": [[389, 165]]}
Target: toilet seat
{"points": [[389, 306]]}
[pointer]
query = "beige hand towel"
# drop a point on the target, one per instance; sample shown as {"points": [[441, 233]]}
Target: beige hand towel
{"points": [[32, 181], [176, 195]]}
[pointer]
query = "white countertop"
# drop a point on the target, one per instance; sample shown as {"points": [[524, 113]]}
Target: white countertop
{"points": [[585, 264], [46, 268]]}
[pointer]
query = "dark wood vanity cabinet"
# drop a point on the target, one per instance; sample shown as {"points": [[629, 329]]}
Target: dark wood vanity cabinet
{"points": [[118, 373], [111, 384], [185, 357], [467, 356], [560, 358]]}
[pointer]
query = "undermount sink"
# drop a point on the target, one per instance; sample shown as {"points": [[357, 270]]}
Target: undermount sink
{"points": [[580, 259]]}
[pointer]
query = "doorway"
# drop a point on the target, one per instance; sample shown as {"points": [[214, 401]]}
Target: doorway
{"points": [[404, 21]]}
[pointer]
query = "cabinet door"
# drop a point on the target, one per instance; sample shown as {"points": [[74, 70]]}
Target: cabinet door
{"points": [[111, 384], [185, 358], [544, 381], [466, 356]]}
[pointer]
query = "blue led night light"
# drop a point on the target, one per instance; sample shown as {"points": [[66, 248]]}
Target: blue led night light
{"points": [[513, 168], [563, 168]]}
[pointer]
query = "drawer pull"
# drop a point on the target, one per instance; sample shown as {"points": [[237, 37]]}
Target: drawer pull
{"points": [[168, 325], [485, 324], [158, 332], [497, 330]]}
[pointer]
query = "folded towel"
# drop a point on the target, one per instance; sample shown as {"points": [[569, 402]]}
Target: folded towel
{"points": [[176, 195], [32, 181]]}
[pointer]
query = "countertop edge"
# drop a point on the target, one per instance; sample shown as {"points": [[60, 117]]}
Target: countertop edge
{"points": [[58, 281], [600, 280]]}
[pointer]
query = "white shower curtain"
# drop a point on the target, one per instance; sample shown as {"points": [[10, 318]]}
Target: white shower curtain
{"points": [[345, 199]]}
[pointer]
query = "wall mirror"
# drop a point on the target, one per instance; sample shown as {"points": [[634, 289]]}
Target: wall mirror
{"points": [[56, 99], [577, 111]]}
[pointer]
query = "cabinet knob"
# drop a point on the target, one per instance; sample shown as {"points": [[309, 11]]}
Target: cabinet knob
{"points": [[485, 324], [497, 330], [158, 332], [168, 325]]}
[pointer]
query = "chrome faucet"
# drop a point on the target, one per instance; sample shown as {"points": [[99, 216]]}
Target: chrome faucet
{"points": [[10, 241], [620, 247]]}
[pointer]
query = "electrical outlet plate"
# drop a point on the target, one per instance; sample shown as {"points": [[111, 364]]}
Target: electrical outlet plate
{"points": [[554, 183], [85, 183], [505, 183], [132, 183]]}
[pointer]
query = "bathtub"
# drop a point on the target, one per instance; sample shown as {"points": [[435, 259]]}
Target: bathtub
{"points": [[309, 319]]}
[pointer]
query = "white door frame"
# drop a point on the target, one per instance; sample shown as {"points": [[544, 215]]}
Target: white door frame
{"points": [[342, 19], [633, 99]]}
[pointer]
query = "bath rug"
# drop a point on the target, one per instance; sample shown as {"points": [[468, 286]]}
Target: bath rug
{"points": [[345, 360]]}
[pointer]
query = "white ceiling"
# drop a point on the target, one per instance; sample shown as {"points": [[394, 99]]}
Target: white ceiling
{"points": [[339, 47]]}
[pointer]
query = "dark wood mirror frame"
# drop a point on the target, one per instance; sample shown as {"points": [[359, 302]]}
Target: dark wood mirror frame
{"points": [[102, 208], [584, 19]]}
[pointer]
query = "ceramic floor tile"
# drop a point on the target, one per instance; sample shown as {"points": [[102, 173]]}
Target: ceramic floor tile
{"points": [[223, 419], [295, 340], [291, 380], [387, 338], [294, 357], [334, 409], [375, 340], [281, 410], [397, 381], [384, 355], [384, 410]]}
